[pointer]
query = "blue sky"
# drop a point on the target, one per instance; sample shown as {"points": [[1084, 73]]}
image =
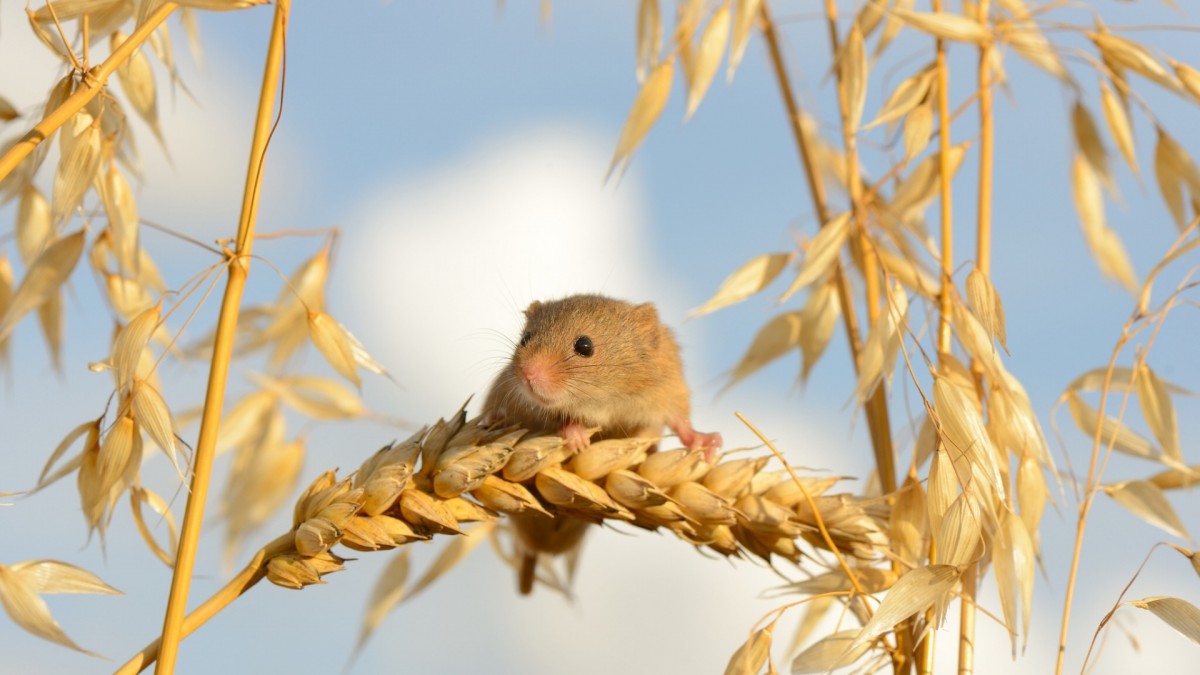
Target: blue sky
{"points": [[461, 150]]}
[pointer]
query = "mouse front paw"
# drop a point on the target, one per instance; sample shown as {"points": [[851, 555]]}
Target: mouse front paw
{"points": [[577, 435]]}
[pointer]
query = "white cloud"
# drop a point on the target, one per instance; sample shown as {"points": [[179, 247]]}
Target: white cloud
{"points": [[439, 267]]}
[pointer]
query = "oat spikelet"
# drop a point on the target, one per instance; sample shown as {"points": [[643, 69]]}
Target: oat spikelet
{"points": [[22, 584]]}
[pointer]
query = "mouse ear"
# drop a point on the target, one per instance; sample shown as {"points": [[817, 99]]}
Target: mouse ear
{"points": [[647, 311], [648, 326], [533, 307]]}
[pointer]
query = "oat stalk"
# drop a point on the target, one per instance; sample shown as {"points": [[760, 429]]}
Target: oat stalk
{"points": [[983, 237], [876, 405], [91, 84], [983, 251], [816, 183], [1096, 465], [239, 268], [1091, 485], [945, 171], [876, 408], [925, 651]]}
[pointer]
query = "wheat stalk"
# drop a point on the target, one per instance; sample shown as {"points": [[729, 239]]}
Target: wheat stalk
{"points": [[458, 471]]}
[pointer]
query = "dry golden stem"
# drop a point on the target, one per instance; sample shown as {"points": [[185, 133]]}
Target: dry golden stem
{"points": [[1089, 496], [254, 572], [966, 631], [223, 349], [943, 115], [849, 139], [1092, 484], [983, 254], [91, 84], [877, 415], [983, 250], [925, 652], [87, 38], [876, 407], [879, 425], [878, 419], [816, 185], [1117, 604]]}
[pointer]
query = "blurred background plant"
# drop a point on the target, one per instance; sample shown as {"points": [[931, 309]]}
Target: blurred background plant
{"points": [[947, 384]]}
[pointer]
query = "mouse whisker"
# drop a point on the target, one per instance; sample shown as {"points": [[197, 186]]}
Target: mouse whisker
{"points": [[584, 393]]}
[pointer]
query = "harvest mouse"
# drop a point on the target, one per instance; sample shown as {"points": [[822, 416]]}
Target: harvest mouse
{"points": [[591, 361]]}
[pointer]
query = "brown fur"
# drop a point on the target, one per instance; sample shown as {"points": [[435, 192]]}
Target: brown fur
{"points": [[631, 385]]}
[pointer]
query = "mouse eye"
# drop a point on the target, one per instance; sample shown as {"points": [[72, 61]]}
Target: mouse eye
{"points": [[583, 346], [526, 338]]}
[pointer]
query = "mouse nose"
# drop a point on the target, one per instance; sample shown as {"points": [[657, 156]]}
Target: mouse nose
{"points": [[531, 373], [537, 376]]}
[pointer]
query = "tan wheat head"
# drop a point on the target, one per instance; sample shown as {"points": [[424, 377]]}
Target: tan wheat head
{"points": [[460, 471]]}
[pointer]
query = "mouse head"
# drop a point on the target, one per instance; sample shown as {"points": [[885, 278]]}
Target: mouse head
{"points": [[586, 348]]}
